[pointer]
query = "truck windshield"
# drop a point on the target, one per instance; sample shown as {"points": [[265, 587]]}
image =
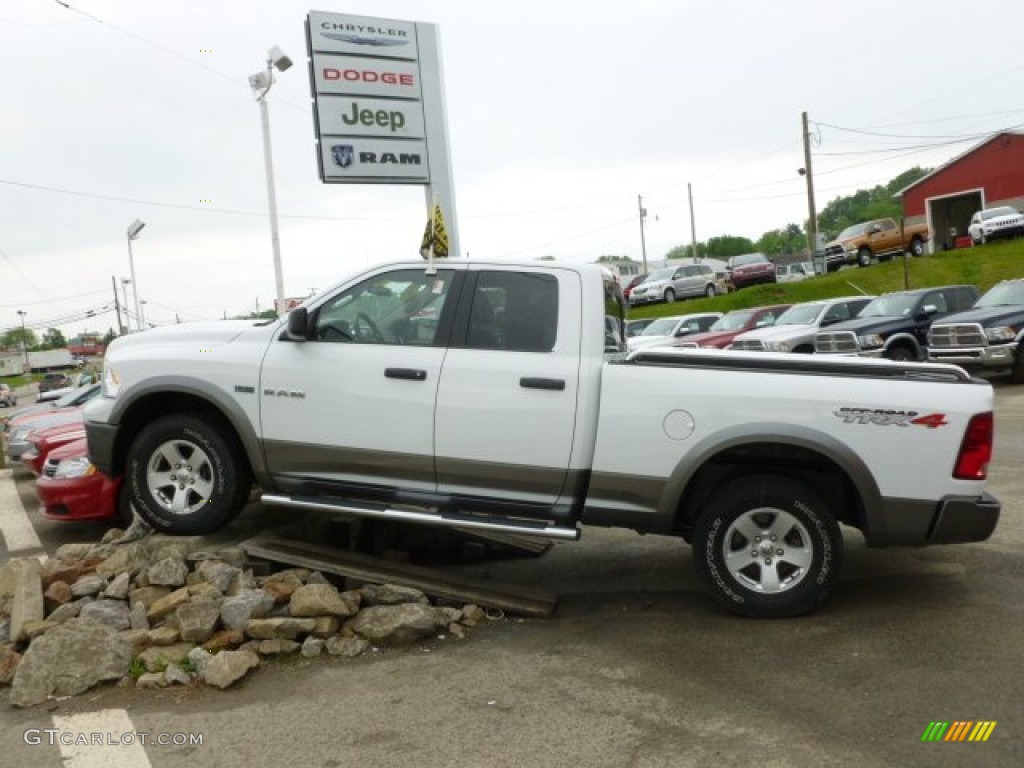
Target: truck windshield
{"points": [[1003, 294], [890, 306], [732, 321], [803, 314], [855, 231]]}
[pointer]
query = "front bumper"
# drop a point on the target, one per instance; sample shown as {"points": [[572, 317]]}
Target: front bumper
{"points": [[81, 498], [993, 356], [953, 520]]}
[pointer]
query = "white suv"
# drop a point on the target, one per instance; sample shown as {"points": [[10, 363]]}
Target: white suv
{"points": [[994, 223]]}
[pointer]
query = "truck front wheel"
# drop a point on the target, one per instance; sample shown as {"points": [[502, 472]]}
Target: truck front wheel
{"points": [[186, 476], [864, 257], [768, 547]]}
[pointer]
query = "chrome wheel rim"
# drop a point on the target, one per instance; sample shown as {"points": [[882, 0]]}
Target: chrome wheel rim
{"points": [[767, 550], [180, 477]]}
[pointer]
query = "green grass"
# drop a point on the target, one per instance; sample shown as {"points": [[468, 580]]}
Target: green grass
{"points": [[983, 266]]}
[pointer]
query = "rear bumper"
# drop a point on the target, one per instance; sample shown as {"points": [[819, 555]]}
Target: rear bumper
{"points": [[953, 520]]}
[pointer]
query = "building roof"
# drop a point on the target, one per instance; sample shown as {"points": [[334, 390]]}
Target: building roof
{"points": [[957, 159]]}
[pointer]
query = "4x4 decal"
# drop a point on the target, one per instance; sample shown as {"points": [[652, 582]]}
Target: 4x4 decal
{"points": [[882, 417]]}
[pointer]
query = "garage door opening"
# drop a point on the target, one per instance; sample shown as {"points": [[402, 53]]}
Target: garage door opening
{"points": [[950, 215]]}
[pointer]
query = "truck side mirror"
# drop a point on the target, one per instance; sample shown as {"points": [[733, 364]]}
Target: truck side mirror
{"points": [[876, 228], [928, 310], [298, 324]]}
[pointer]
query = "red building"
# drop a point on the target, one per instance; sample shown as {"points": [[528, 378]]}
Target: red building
{"points": [[87, 345], [988, 175]]}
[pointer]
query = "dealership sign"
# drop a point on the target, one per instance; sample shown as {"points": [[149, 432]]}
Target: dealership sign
{"points": [[375, 86]]}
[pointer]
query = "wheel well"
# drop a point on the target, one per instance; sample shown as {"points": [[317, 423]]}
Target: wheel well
{"points": [[804, 349], [813, 469], [155, 406]]}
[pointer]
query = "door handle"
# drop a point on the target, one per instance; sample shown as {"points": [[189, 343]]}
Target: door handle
{"points": [[529, 382], [411, 374]]}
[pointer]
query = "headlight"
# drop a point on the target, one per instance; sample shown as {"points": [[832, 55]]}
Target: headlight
{"points": [[1001, 333], [870, 340], [19, 434], [80, 466], [111, 381], [779, 346]]}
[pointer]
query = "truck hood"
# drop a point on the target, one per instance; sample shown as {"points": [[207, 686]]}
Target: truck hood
{"points": [[207, 333], [987, 316], [709, 339], [860, 326], [779, 332]]}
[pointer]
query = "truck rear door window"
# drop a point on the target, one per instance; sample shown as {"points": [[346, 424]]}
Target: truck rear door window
{"points": [[515, 311]]}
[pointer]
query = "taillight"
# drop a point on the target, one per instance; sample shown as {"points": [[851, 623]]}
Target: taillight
{"points": [[976, 449]]}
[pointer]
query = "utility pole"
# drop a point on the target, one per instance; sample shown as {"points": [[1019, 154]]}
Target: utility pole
{"points": [[693, 224], [643, 243], [117, 306], [812, 214]]}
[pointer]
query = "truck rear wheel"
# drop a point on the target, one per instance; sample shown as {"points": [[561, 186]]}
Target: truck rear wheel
{"points": [[186, 476], [917, 247], [768, 547], [864, 257]]}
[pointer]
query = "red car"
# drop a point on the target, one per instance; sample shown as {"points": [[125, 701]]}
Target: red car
{"points": [[637, 279], [42, 441], [71, 488], [731, 325], [750, 269]]}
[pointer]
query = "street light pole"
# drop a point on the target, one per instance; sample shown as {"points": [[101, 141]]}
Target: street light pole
{"points": [[24, 345], [261, 84], [133, 232], [124, 296]]}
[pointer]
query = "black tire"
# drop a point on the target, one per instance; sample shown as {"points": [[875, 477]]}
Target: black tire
{"points": [[901, 353], [710, 292], [741, 519], [1017, 374], [124, 515], [670, 295], [864, 257], [917, 247], [186, 476]]}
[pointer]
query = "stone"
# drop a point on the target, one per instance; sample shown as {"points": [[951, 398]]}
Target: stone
{"points": [[71, 552], [118, 588], [225, 638], [473, 613], [58, 593], [147, 595], [169, 572], [90, 584], [37, 627], [279, 591], [236, 611], [163, 636], [68, 571], [111, 535], [278, 646], [113, 613], [228, 667], [199, 658], [26, 589], [448, 614], [151, 680], [243, 581], [69, 611], [349, 647], [137, 614], [139, 638], [198, 620], [317, 578], [312, 647], [5, 630], [68, 660], [234, 556], [165, 606], [159, 656], [217, 573], [320, 600], [325, 626], [294, 576], [457, 630], [205, 591], [391, 625], [268, 629], [174, 674], [9, 660], [390, 594]]}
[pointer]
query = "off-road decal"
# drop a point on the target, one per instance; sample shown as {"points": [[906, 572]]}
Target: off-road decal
{"points": [[882, 417]]}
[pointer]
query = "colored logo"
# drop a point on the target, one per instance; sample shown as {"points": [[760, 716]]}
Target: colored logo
{"points": [[344, 155], [959, 730]]}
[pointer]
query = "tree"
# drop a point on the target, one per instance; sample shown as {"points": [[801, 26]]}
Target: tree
{"points": [[15, 336], [680, 252], [109, 337], [724, 246], [867, 204], [53, 339], [782, 242]]}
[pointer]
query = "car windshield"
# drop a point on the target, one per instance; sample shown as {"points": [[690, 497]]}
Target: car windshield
{"points": [[77, 396], [854, 231], [750, 258], [660, 327], [802, 314], [660, 274], [1003, 294], [991, 213], [732, 321], [890, 306]]}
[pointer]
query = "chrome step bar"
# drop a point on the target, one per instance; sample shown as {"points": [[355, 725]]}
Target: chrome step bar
{"points": [[521, 527]]}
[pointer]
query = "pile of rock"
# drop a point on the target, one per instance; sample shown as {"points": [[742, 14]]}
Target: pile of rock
{"points": [[166, 610]]}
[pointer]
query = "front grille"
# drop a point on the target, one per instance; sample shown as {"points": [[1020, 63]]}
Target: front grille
{"points": [[749, 345], [840, 341], [834, 250], [687, 345], [967, 335]]}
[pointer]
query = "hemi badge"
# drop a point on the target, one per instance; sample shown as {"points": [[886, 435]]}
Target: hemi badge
{"points": [[245, 390]]}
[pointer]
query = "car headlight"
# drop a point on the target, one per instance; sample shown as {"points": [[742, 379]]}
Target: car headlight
{"points": [[19, 434], [870, 340], [80, 466], [111, 381], [1001, 333], [779, 346]]}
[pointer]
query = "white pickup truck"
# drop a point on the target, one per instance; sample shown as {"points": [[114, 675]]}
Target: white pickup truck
{"points": [[483, 395]]}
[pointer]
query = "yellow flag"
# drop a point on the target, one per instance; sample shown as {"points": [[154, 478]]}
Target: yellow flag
{"points": [[435, 236]]}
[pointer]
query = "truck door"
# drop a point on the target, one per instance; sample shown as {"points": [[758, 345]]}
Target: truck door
{"points": [[506, 405], [354, 404]]}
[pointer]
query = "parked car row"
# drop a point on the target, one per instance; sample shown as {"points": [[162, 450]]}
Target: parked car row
{"points": [[48, 439]]}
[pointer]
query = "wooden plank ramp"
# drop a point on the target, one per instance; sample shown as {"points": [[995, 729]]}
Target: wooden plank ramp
{"points": [[375, 570]]}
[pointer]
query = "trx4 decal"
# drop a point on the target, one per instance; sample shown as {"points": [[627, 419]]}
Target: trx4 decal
{"points": [[886, 418]]}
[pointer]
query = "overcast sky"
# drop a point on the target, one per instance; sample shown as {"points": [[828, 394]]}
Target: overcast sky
{"points": [[560, 113]]}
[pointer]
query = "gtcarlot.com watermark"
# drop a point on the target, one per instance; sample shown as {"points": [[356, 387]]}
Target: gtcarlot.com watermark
{"points": [[58, 737]]}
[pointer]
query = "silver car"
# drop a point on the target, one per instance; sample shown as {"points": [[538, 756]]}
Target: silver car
{"points": [[7, 397], [671, 283]]}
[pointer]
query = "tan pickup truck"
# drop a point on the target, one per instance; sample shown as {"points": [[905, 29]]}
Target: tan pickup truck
{"points": [[879, 239]]}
